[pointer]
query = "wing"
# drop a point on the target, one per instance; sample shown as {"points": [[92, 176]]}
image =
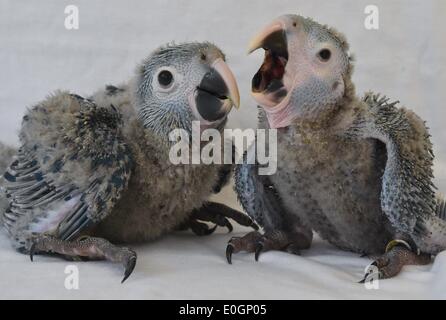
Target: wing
{"points": [[70, 170], [408, 194], [224, 175], [259, 197]]}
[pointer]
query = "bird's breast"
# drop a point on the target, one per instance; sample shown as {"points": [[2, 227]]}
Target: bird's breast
{"points": [[334, 185], [158, 199]]}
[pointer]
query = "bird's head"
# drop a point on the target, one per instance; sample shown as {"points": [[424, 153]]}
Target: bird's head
{"points": [[181, 83], [306, 70]]}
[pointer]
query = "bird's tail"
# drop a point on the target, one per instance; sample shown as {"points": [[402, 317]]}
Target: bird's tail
{"points": [[441, 207], [6, 156]]}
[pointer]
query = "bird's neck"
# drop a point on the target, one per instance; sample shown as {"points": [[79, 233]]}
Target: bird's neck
{"points": [[318, 117]]}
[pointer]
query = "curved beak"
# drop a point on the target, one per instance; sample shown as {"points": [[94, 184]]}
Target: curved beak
{"points": [[217, 93], [228, 77], [268, 85], [260, 39]]}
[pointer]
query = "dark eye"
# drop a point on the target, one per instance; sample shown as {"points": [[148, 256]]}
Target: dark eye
{"points": [[165, 78], [325, 54]]}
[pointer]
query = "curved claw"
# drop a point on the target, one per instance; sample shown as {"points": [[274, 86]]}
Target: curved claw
{"points": [[365, 277], [255, 226], [32, 251], [229, 226], [380, 276], [229, 251], [129, 267], [209, 231], [370, 272], [259, 248]]}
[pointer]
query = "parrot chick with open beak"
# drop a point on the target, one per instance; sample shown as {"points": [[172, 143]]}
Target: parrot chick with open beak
{"points": [[358, 171], [95, 171]]}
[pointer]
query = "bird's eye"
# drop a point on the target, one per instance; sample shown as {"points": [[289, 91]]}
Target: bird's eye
{"points": [[165, 78], [325, 54]]}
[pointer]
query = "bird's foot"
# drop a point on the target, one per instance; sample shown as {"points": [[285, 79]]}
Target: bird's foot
{"points": [[398, 254], [85, 247], [258, 243], [218, 214]]}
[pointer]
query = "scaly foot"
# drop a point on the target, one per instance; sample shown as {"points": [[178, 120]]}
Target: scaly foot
{"points": [[88, 247], [258, 243], [398, 254], [218, 214]]}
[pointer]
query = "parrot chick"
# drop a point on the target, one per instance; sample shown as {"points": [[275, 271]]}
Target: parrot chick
{"points": [[358, 171], [92, 171]]}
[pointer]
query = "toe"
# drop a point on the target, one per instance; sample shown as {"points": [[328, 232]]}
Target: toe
{"points": [[202, 229]]}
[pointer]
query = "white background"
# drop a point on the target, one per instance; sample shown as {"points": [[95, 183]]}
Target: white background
{"points": [[405, 59]]}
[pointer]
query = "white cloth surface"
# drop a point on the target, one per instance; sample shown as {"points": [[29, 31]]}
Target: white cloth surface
{"points": [[404, 59], [185, 266]]}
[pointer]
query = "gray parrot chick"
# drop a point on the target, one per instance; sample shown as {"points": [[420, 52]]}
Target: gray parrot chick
{"points": [[92, 171], [358, 171]]}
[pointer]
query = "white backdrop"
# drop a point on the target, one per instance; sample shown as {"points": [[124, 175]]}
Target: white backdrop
{"points": [[405, 59]]}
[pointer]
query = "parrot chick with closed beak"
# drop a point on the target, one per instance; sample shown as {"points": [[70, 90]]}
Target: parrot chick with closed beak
{"points": [[358, 171], [95, 172]]}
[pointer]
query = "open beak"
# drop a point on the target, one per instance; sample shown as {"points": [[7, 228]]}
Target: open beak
{"points": [[259, 40], [217, 93], [268, 84]]}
